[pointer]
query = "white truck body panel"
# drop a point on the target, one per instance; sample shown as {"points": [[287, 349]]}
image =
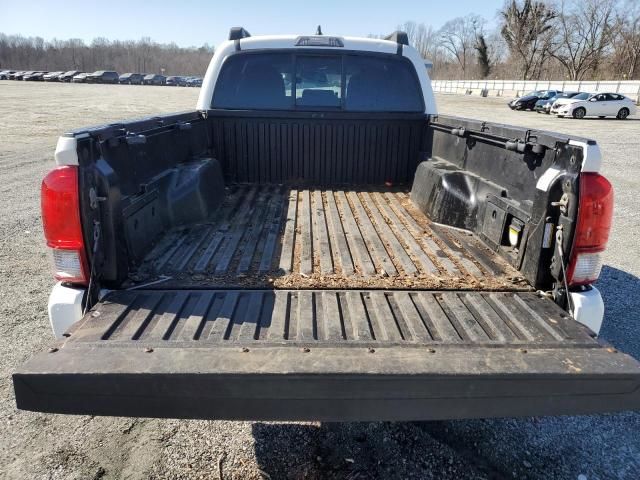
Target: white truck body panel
{"points": [[588, 308], [65, 307], [66, 151]]}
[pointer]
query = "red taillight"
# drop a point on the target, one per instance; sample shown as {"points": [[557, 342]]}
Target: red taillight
{"points": [[61, 222], [595, 212]]}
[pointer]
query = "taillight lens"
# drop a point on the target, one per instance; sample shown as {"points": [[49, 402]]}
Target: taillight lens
{"points": [[595, 212], [61, 222]]}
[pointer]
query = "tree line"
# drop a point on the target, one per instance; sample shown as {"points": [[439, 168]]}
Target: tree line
{"points": [[537, 40], [143, 56], [532, 40]]}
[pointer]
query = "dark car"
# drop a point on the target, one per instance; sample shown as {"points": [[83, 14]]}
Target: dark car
{"points": [[154, 79], [544, 104], [194, 82], [4, 74], [176, 81], [131, 78], [68, 76], [103, 76], [52, 77], [528, 101], [35, 77]]}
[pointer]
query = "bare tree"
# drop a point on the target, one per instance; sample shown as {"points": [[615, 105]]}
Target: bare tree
{"points": [[626, 42], [484, 60], [527, 30], [585, 31], [422, 37], [458, 37]]}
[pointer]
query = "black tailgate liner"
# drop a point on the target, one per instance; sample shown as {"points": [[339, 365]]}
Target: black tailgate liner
{"points": [[328, 355]]}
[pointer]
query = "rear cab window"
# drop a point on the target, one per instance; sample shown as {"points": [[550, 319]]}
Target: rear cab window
{"points": [[318, 81]]}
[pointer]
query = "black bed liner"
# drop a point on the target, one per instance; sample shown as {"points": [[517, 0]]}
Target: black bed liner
{"points": [[327, 355], [366, 237]]}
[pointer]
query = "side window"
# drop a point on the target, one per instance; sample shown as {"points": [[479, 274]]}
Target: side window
{"points": [[255, 81], [376, 84], [318, 81]]}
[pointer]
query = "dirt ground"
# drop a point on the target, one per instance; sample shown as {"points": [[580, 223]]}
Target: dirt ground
{"points": [[35, 446]]}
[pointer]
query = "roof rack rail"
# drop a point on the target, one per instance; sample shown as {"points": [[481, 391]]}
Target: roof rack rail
{"points": [[399, 37], [237, 33]]}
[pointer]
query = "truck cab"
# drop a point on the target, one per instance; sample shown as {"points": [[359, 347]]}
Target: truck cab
{"points": [[315, 242]]}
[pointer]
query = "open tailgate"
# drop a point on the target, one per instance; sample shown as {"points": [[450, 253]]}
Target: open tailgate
{"points": [[327, 355]]}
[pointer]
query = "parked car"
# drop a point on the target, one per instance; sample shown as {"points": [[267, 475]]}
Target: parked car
{"points": [[221, 286], [68, 76], [154, 79], [4, 74], [80, 78], [103, 76], [194, 82], [35, 77], [52, 76], [12, 76], [21, 75], [176, 81], [528, 101], [596, 105], [544, 104], [131, 78]]}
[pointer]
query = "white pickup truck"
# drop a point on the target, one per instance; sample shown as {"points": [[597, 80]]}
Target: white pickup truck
{"points": [[315, 242]]}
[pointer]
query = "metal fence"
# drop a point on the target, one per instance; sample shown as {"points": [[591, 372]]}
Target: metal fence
{"points": [[630, 88]]}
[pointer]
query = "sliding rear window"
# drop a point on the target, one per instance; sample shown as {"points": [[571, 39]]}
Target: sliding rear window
{"points": [[303, 81]]}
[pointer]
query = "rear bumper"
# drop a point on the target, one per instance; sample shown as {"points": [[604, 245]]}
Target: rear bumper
{"points": [[329, 384]]}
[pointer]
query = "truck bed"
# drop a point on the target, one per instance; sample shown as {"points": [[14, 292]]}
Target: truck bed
{"points": [[273, 236]]}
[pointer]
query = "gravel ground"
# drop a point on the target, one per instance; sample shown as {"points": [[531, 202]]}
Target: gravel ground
{"points": [[34, 446]]}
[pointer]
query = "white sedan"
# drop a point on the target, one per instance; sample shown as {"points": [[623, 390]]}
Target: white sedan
{"points": [[595, 105]]}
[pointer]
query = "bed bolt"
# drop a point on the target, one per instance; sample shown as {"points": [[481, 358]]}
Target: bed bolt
{"points": [[148, 350], [244, 349], [53, 350], [305, 350], [371, 350], [95, 314]]}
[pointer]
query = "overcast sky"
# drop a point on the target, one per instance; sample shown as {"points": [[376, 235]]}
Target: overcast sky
{"points": [[190, 22]]}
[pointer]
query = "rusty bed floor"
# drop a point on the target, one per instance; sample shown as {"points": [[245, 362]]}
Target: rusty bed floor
{"points": [[278, 237]]}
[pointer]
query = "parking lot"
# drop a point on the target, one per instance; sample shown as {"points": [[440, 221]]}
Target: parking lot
{"points": [[37, 446]]}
